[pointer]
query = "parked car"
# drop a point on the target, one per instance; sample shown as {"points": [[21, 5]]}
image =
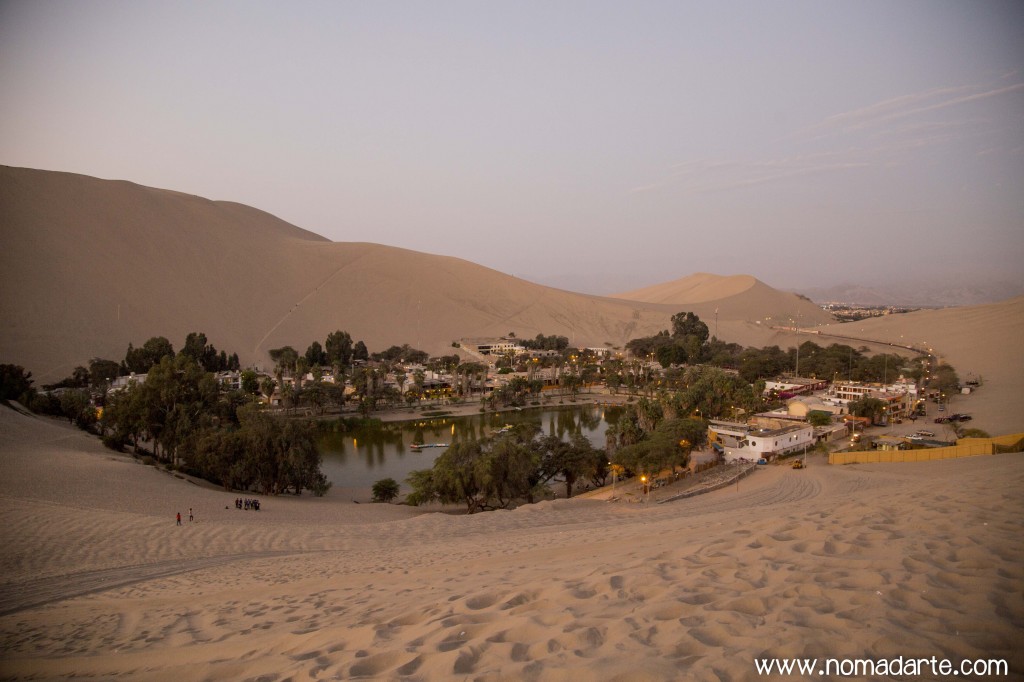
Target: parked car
{"points": [[925, 433], [965, 417]]}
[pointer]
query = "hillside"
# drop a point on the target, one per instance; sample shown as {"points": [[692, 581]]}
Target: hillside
{"points": [[90, 265], [935, 292]]}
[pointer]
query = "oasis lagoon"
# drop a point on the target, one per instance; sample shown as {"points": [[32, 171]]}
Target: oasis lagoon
{"points": [[360, 458]]}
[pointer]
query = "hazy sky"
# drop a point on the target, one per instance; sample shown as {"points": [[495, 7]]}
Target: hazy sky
{"points": [[593, 145]]}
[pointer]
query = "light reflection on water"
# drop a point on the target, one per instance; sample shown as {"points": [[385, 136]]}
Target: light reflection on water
{"points": [[358, 459]]}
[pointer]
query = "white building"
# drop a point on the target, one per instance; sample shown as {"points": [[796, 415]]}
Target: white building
{"points": [[899, 397], [768, 440], [121, 383], [794, 385], [492, 346]]}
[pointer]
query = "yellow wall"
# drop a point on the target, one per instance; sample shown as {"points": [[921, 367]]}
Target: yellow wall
{"points": [[965, 447]]}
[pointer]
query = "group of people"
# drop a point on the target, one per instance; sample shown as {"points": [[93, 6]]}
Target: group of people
{"points": [[191, 518], [247, 504]]}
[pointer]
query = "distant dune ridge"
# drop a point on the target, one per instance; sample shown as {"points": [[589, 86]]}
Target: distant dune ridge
{"points": [[734, 297]]}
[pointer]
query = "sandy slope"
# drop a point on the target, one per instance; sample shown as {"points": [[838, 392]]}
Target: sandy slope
{"points": [[89, 266], [699, 287], [733, 297], [981, 342], [878, 561]]}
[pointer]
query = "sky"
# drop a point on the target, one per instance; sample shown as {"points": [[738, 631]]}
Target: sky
{"points": [[595, 146]]}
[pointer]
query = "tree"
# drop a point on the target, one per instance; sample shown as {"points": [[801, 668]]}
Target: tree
{"points": [[819, 418], [359, 352], [301, 367], [668, 446], [285, 358], [338, 349], [14, 382], [866, 407], [267, 387], [944, 378], [687, 324], [385, 490], [203, 353], [571, 381], [250, 382], [480, 474], [572, 461], [315, 355], [139, 360], [102, 372], [672, 354], [77, 406]]}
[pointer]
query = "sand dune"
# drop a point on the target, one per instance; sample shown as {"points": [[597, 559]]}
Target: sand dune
{"points": [[91, 265], [699, 287], [733, 298], [861, 561]]}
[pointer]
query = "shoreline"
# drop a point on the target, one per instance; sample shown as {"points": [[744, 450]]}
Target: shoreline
{"points": [[472, 408]]}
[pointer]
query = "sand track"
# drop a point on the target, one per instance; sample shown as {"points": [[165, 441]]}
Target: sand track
{"points": [[34, 593]]}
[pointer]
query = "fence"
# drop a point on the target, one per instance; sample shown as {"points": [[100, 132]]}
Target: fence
{"points": [[965, 447]]}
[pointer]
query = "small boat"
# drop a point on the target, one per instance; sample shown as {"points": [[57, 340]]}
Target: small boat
{"points": [[420, 446]]}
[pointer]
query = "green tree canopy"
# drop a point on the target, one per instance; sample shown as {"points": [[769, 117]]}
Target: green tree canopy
{"points": [[14, 382], [139, 360], [687, 324], [102, 372], [338, 349], [316, 355], [385, 490], [284, 357], [572, 460], [480, 474]]}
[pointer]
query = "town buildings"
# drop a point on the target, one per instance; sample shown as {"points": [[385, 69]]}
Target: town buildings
{"points": [[761, 438]]}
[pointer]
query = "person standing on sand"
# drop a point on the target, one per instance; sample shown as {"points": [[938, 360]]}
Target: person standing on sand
{"points": [[179, 518], [190, 517]]}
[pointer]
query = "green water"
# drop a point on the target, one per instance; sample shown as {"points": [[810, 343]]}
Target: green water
{"points": [[357, 459]]}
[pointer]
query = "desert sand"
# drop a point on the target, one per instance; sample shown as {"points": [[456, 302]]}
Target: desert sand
{"points": [[89, 266], [855, 561], [862, 561]]}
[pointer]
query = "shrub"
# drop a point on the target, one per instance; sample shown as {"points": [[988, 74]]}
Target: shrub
{"points": [[385, 490]]}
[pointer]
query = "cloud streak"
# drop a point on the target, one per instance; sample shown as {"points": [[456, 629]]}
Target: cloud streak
{"points": [[706, 176], [905, 106], [883, 134]]}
